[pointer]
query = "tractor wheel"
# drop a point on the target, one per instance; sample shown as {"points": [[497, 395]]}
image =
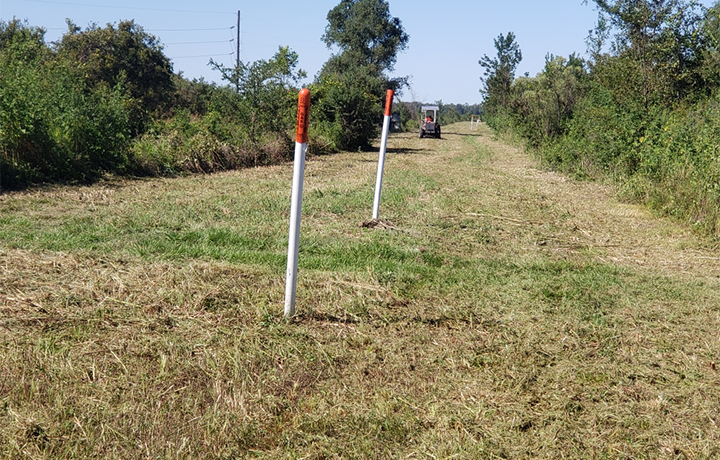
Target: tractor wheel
{"points": [[437, 133]]}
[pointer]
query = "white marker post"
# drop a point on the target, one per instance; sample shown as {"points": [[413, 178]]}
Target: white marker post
{"points": [[301, 138], [383, 148], [472, 118]]}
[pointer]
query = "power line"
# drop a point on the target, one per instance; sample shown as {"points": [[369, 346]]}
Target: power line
{"points": [[199, 43], [275, 36], [201, 55], [255, 19], [130, 7], [166, 30], [192, 30]]}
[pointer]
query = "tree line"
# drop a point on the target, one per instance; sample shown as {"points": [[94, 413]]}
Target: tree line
{"points": [[643, 107], [410, 113], [106, 100]]}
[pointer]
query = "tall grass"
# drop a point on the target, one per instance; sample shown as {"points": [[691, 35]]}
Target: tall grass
{"points": [[669, 160]]}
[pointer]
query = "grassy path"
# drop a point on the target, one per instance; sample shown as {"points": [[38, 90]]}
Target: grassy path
{"points": [[502, 312]]}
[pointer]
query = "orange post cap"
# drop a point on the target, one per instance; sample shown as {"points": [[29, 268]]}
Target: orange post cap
{"points": [[388, 102], [303, 116]]}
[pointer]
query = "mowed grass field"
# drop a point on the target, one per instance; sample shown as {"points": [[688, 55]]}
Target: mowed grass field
{"points": [[499, 311]]}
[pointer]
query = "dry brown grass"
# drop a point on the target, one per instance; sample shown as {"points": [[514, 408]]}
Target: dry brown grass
{"points": [[515, 314]]}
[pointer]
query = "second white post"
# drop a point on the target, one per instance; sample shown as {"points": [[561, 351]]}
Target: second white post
{"points": [[383, 148], [296, 201]]}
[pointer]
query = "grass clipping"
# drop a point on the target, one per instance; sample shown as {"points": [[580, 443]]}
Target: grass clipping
{"points": [[516, 315]]}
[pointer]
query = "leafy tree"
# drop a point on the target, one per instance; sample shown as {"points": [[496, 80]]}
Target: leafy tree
{"points": [[656, 49], [16, 32], [348, 106], [543, 106], [193, 95], [500, 74], [350, 88], [122, 55], [52, 126], [644, 110], [709, 35], [366, 33], [266, 89]]}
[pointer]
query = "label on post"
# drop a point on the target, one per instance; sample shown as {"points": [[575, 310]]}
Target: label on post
{"points": [[303, 117]]}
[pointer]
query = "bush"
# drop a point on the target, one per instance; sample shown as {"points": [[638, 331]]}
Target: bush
{"points": [[679, 172], [192, 144], [52, 127], [122, 54], [347, 107], [667, 158]]}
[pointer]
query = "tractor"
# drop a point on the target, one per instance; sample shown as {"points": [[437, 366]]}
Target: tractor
{"points": [[429, 125]]}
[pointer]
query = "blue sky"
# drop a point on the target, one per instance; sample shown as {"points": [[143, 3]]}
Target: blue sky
{"points": [[447, 38]]}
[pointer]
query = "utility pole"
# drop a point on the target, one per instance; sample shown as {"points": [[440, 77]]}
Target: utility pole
{"points": [[237, 52]]}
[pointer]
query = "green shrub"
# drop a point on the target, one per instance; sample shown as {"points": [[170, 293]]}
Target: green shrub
{"points": [[667, 158], [205, 144], [53, 128], [347, 107]]}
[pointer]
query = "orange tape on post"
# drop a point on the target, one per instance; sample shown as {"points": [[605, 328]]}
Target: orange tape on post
{"points": [[303, 116], [388, 102]]}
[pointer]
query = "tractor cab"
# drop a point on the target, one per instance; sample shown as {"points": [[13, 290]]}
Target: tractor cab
{"points": [[429, 125]]}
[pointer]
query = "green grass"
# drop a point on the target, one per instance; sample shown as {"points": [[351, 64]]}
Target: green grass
{"points": [[144, 319]]}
